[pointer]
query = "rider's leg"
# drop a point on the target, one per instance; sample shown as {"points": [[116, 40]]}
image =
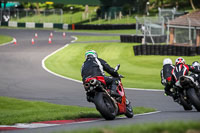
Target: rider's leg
{"points": [[110, 81]]}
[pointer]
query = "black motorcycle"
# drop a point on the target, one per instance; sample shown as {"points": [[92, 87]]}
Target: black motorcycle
{"points": [[187, 92]]}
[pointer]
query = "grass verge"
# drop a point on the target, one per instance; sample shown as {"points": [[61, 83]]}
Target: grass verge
{"points": [[5, 39], [14, 110], [131, 31], [139, 71], [164, 127]]}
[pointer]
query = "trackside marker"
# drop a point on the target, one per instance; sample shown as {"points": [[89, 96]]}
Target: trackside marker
{"points": [[64, 34], [45, 124], [50, 40], [36, 35], [33, 42], [15, 41], [51, 34]]}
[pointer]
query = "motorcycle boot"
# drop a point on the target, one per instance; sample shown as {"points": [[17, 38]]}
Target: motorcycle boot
{"points": [[175, 97], [113, 91], [128, 105]]}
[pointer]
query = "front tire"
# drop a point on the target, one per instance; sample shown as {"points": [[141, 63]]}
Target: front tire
{"points": [[194, 98], [185, 104], [105, 106], [129, 111]]}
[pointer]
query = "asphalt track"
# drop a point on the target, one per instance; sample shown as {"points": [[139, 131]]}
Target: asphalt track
{"points": [[22, 76]]}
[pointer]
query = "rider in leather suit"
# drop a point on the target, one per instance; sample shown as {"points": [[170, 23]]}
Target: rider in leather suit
{"points": [[94, 66], [182, 69], [196, 65], [166, 74]]}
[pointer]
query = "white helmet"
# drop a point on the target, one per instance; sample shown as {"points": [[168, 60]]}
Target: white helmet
{"points": [[90, 52], [167, 61], [195, 63]]}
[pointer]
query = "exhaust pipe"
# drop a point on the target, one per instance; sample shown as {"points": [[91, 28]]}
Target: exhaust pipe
{"points": [[86, 86], [93, 82]]}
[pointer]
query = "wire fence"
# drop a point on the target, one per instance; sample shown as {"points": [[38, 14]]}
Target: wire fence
{"points": [[60, 16], [54, 15], [150, 27]]}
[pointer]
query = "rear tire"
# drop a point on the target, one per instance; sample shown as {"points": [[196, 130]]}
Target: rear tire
{"points": [[194, 98], [105, 106]]}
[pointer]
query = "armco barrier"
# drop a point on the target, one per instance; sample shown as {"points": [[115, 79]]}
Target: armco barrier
{"points": [[170, 50], [34, 25], [138, 38]]}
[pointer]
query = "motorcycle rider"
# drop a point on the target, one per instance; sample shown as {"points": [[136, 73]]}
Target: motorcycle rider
{"points": [[94, 66], [182, 69], [166, 74], [196, 65]]}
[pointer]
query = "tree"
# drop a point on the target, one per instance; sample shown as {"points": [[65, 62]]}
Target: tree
{"points": [[192, 4]]}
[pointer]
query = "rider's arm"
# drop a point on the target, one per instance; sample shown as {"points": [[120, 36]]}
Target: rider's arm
{"points": [[108, 69], [162, 77]]}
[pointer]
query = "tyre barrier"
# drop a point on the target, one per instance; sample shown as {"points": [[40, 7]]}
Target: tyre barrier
{"points": [[103, 26], [131, 38], [171, 50], [138, 38]]}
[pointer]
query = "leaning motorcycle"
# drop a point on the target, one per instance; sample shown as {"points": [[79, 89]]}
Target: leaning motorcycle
{"points": [[108, 106], [188, 93]]}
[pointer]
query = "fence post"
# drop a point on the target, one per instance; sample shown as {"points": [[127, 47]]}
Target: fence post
{"points": [[167, 30], [136, 25], [1, 15], [189, 24], [17, 14], [61, 11], [26, 15]]}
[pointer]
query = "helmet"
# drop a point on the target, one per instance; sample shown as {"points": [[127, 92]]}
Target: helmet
{"points": [[167, 61], [180, 60], [195, 63], [90, 53]]}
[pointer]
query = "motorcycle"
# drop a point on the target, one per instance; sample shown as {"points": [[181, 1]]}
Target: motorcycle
{"points": [[109, 106], [187, 92]]}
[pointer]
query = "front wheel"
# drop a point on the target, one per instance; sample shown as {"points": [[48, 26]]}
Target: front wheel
{"points": [[194, 98], [129, 111], [185, 104], [105, 106]]}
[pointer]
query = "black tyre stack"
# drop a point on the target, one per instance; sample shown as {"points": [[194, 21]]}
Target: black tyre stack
{"points": [[198, 50], [171, 50]]}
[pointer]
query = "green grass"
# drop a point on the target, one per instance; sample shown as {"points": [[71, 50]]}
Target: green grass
{"points": [[130, 31], [21, 111], [139, 71], [5, 39], [96, 38], [74, 18], [164, 127]]}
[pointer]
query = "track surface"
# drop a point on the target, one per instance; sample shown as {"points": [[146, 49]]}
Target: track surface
{"points": [[22, 76]]}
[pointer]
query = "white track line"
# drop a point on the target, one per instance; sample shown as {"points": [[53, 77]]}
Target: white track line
{"points": [[58, 75], [61, 76]]}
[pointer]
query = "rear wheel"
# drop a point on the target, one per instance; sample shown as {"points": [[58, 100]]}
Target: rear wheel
{"points": [[194, 98], [105, 106]]}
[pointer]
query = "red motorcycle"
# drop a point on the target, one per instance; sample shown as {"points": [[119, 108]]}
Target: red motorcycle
{"points": [[108, 106]]}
